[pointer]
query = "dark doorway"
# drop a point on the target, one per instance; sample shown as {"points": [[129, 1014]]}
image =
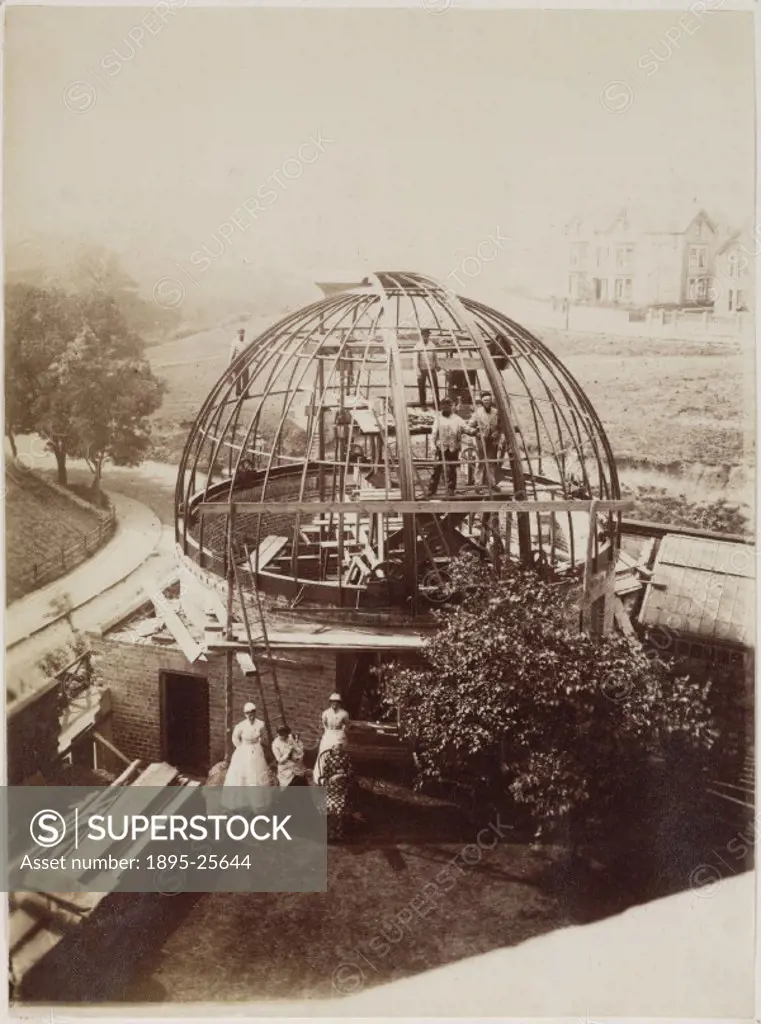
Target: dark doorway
{"points": [[185, 721]]}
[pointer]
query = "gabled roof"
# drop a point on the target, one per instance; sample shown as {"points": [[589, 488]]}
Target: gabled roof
{"points": [[743, 238], [643, 219]]}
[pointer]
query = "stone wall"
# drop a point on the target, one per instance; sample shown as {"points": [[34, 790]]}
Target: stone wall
{"points": [[132, 673]]}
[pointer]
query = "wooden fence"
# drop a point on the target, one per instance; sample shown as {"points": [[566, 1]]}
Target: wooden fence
{"points": [[68, 556]]}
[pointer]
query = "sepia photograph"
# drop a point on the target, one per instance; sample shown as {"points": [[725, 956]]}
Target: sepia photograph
{"points": [[379, 467]]}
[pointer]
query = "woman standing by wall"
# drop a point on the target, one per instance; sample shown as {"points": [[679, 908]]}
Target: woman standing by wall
{"points": [[335, 720]]}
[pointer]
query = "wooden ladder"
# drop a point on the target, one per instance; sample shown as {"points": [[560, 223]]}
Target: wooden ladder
{"points": [[268, 668]]}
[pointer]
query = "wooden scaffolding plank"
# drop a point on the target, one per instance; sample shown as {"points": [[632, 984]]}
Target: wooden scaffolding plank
{"points": [[192, 651], [267, 551], [206, 598], [384, 505], [622, 618]]}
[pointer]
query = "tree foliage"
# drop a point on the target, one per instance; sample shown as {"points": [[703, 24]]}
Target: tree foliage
{"points": [[77, 376], [39, 324], [511, 688], [86, 268]]}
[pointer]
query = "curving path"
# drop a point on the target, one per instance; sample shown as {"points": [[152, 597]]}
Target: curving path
{"points": [[124, 572]]}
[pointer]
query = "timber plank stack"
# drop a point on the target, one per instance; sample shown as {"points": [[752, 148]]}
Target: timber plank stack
{"points": [[41, 923]]}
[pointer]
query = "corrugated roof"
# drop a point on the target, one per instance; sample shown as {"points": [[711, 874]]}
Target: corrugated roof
{"points": [[704, 589]]}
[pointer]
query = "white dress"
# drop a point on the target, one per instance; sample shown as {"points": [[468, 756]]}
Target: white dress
{"points": [[248, 765], [334, 735]]}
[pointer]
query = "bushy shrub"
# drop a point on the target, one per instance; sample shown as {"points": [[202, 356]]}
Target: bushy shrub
{"points": [[567, 721]]}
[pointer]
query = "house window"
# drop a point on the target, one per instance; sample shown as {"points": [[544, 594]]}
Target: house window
{"points": [[697, 289], [623, 291], [602, 255], [738, 265], [740, 306], [578, 254], [698, 257], [730, 300], [624, 256], [700, 229]]}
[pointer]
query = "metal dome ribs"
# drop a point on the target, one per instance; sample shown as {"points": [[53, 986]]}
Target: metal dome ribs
{"points": [[312, 460]]}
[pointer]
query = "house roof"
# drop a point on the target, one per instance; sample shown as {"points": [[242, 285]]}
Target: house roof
{"points": [[704, 589], [743, 238], [643, 219]]}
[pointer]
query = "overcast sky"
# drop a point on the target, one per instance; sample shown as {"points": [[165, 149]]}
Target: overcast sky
{"points": [[444, 128]]}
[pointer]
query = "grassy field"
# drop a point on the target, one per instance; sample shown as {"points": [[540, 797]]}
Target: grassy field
{"points": [[666, 402], [408, 891], [679, 414]]}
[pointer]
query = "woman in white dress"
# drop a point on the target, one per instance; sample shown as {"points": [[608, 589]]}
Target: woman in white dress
{"points": [[334, 722], [248, 765]]}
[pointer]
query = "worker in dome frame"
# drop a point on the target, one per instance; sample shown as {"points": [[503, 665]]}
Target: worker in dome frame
{"points": [[485, 425]]}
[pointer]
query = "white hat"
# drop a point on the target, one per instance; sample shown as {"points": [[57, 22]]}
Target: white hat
{"points": [[334, 696], [249, 706]]}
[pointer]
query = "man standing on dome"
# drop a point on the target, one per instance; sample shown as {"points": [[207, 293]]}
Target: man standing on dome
{"points": [[427, 362], [447, 442], [485, 425], [236, 348]]}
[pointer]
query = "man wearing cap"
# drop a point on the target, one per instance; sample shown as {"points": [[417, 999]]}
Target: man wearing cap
{"points": [[427, 362], [236, 348], [484, 424], [447, 442]]}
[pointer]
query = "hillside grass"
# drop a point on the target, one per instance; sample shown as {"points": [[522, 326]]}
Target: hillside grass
{"points": [[38, 523]]}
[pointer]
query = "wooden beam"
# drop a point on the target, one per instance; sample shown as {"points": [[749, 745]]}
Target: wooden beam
{"points": [[622, 618], [643, 528], [400, 507], [192, 651], [206, 597], [110, 746]]}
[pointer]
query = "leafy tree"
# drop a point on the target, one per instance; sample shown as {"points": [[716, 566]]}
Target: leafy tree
{"points": [[84, 269], [111, 405], [512, 693], [78, 377], [101, 391], [39, 324]]}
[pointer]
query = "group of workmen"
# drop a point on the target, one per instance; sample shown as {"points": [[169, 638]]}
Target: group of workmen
{"points": [[450, 429]]}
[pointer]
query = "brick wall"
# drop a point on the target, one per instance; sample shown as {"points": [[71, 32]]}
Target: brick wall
{"points": [[283, 487], [132, 673], [32, 733]]}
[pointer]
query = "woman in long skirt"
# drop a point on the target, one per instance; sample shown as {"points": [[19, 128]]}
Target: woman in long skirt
{"points": [[335, 719], [336, 777], [248, 765]]}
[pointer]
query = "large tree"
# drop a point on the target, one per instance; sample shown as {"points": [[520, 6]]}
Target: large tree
{"points": [[78, 377], [113, 392], [511, 691], [39, 324]]}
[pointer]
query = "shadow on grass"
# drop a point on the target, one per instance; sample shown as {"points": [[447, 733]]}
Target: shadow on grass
{"points": [[403, 897]]}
